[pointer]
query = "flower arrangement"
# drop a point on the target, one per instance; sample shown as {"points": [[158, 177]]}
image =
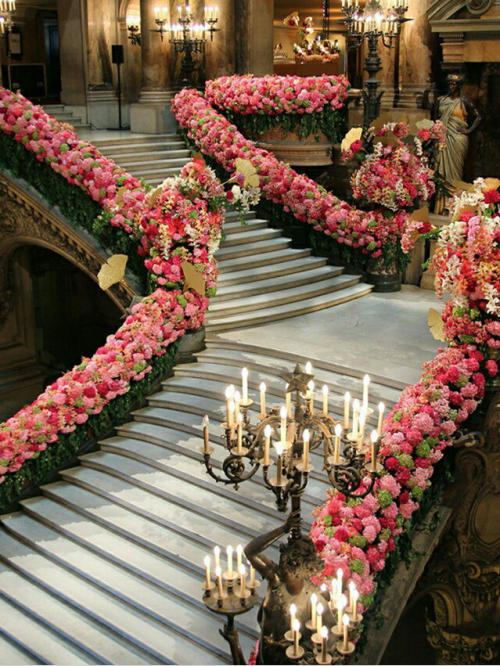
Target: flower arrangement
{"points": [[307, 105], [371, 234]]}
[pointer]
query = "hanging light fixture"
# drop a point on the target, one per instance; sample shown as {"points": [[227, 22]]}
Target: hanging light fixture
{"points": [[7, 9], [134, 29]]}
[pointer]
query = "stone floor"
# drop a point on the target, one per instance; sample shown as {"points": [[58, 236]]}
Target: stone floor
{"points": [[382, 334]]}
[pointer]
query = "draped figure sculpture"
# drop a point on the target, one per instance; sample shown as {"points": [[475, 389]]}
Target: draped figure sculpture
{"points": [[455, 112]]}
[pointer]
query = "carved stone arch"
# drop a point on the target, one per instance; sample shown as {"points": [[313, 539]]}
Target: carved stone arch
{"points": [[123, 8], [26, 220]]}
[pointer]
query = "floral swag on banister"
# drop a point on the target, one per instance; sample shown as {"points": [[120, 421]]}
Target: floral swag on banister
{"points": [[176, 229]]}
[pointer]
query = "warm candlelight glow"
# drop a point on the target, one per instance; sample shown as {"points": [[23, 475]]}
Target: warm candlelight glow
{"points": [[355, 606], [244, 381], [347, 403], [279, 463], [374, 439], [381, 410], [324, 643], [262, 398], [296, 636], [267, 443], [325, 400], [309, 368], [336, 450], [333, 593], [293, 614], [314, 602], [217, 557], [305, 455], [340, 575]]}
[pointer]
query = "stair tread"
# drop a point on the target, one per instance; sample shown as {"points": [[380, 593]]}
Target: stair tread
{"points": [[248, 262], [14, 655], [252, 248], [227, 278], [245, 236]]}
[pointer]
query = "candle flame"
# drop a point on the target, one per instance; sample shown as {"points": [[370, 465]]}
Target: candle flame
{"points": [[340, 573], [217, 550], [310, 386], [262, 387], [267, 431], [342, 601], [242, 570], [381, 407], [325, 389], [279, 448], [308, 368], [319, 609], [345, 620], [239, 549], [355, 405], [229, 551], [338, 429], [207, 561], [229, 391], [314, 598], [283, 412], [347, 397], [324, 631], [293, 609], [206, 421], [237, 396], [244, 373], [366, 380], [296, 625], [218, 572], [374, 436], [306, 435]]}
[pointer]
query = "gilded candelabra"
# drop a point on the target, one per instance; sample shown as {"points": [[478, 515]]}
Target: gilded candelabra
{"points": [[374, 24], [7, 9]]}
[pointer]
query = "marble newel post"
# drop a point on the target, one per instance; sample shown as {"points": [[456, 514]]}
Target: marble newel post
{"points": [[102, 103], [152, 113]]}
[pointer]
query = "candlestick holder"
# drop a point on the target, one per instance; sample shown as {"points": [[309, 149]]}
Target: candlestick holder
{"points": [[339, 646]]}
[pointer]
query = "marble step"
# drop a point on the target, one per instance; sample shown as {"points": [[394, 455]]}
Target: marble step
{"points": [[271, 298], [226, 322], [275, 284], [101, 644], [246, 236], [44, 645], [14, 655], [250, 224], [149, 142], [167, 644], [244, 277], [266, 260], [101, 551], [155, 166], [146, 157], [162, 173], [250, 249]]}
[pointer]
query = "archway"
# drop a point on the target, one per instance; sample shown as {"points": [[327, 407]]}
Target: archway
{"points": [[65, 316]]}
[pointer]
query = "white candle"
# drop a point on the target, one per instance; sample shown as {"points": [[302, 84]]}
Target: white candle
{"points": [[288, 403], [262, 398], [355, 414], [239, 554], [279, 473], [325, 400], [324, 643], [362, 425], [341, 604], [252, 576], [244, 383], [333, 593], [340, 575], [243, 574], [314, 602], [381, 410], [206, 435], [352, 589], [218, 574], [345, 621], [336, 450], [239, 441], [296, 635], [366, 384], [305, 454], [319, 618], [283, 425], [207, 571], [374, 439], [310, 395], [229, 397], [347, 403], [355, 606], [229, 553], [267, 444], [293, 614]]}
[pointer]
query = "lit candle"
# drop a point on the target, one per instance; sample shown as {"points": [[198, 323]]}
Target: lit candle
{"points": [[217, 557], [283, 425], [345, 621], [305, 455], [309, 368], [314, 602], [325, 400], [239, 441], [288, 399], [347, 403], [296, 636], [319, 619], [252, 576], [207, 572], [341, 604], [324, 643], [229, 397], [381, 410], [366, 384], [362, 425], [340, 575], [355, 606], [310, 394], [293, 615], [355, 414], [374, 439], [239, 553], [244, 383], [157, 12], [243, 574], [279, 463], [352, 589], [333, 593], [262, 398], [229, 553], [206, 435], [267, 444], [237, 400], [336, 450], [218, 574]]}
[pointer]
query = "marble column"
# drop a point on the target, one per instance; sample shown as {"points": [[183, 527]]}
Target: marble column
{"points": [[220, 53], [415, 59], [72, 53], [102, 103], [254, 36], [152, 114]]}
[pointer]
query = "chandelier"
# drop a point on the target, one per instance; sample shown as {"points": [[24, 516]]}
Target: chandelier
{"points": [[7, 9], [321, 48], [349, 457], [186, 34], [134, 29]]}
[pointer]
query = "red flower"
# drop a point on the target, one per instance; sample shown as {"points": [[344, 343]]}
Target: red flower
{"points": [[391, 464], [492, 368], [491, 196], [341, 534]]}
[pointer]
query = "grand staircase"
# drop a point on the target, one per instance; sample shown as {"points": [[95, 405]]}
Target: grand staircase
{"points": [[262, 278], [106, 565]]}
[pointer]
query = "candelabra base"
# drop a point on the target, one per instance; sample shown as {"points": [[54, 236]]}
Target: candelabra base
{"points": [[289, 636], [340, 648], [291, 653], [358, 620], [278, 484], [208, 588], [317, 638], [305, 470], [327, 660], [341, 461], [378, 468], [242, 452], [336, 631], [230, 577], [243, 594]]}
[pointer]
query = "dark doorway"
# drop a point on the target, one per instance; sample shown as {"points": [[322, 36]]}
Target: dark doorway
{"points": [[52, 58]]}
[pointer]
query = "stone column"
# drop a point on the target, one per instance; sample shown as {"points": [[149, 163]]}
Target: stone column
{"points": [[415, 59], [254, 36], [152, 113], [102, 103], [220, 54], [71, 46]]}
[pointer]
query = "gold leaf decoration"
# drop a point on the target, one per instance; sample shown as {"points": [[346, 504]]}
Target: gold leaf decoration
{"points": [[153, 196], [247, 169], [464, 209], [198, 156], [112, 271], [354, 134], [420, 215], [193, 279], [436, 325], [491, 184], [461, 185]]}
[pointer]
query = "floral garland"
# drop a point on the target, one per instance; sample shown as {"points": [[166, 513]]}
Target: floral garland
{"points": [[275, 95], [373, 233]]}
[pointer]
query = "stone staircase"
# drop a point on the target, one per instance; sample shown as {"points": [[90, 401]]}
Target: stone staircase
{"points": [[64, 115], [106, 565], [262, 278]]}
